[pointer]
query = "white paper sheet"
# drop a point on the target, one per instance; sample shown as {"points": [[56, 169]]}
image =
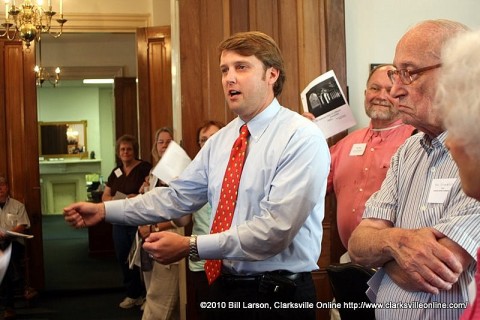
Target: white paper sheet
{"points": [[4, 261], [172, 164], [324, 98], [134, 254], [19, 235]]}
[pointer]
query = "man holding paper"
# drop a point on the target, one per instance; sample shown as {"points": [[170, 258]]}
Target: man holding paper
{"points": [[266, 233], [13, 218], [361, 159]]}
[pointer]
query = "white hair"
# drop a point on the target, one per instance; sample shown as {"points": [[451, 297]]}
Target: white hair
{"points": [[458, 94]]}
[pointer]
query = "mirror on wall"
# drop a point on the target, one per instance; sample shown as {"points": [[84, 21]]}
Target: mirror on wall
{"points": [[63, 139]]}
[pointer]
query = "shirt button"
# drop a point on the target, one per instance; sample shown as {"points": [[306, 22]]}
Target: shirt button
{"points": [[366, 169], [353, 210], [372, 149], [433, 169], [360, 189], [423, 208]]}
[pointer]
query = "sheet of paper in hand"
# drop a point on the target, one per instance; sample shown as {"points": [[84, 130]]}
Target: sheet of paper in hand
{"points": [[324, 98], [172, 164], [14, 234], [4, 261]]}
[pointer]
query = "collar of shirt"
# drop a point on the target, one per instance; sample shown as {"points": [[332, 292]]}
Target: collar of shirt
{"points": [[430, 144], [260, 122], [384, 133]]}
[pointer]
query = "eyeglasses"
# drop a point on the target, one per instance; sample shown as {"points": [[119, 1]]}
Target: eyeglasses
{"points": [[406, 75]]}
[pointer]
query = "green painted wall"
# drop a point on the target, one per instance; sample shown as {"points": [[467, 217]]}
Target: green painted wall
{"points": [[72, 101]]}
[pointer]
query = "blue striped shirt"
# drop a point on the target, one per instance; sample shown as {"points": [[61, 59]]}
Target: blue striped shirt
{"points": [[403, 200]]}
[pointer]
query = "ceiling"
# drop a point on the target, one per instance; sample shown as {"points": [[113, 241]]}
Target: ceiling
{"points": [[90, 55]]}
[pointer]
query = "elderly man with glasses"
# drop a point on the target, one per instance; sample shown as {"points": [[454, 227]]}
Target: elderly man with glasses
{"points": [[424, 226]]}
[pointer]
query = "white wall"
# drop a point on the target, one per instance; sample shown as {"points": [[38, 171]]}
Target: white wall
{"points": [[72, 104], [373, 28], [91, 50]]}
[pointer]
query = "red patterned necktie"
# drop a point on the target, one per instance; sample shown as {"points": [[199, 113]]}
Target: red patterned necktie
{"points": [[228, 197]]}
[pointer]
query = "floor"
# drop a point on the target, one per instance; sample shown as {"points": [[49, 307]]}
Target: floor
{"points": [[77, 286]]}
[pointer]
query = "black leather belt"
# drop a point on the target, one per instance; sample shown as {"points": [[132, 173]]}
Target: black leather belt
{"points": [[273, 282], [235, 278], [285, 274]]}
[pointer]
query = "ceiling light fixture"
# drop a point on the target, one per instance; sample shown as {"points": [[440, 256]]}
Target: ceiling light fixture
{"points": [[97, 81], [30, 20]]}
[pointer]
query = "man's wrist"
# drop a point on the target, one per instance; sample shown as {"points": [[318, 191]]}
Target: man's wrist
{"points": [[102, 211], [193, 249]]}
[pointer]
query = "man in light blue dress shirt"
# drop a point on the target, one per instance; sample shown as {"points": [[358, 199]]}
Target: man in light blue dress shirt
{"points": [[274, 241]]}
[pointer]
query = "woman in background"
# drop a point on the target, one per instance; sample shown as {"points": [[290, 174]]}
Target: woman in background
{"points": [[458, 101], [161, 281], [124, 182]]}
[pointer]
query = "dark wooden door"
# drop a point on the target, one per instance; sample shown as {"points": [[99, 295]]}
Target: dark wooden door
{"points": [[19, 143]]}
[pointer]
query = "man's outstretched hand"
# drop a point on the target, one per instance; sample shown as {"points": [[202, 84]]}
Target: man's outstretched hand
{"points": [[84, 214]]}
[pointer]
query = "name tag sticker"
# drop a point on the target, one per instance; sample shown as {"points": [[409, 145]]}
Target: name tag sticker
{"points": [[358, 149], [440, 189], [118, 172]]}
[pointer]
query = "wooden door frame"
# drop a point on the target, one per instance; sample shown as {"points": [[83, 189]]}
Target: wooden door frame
{"points": [[19, 143], [154, 72]]}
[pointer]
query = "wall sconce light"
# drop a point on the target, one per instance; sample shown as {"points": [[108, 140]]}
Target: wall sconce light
{"points": [[42, 74], [29, 20]]}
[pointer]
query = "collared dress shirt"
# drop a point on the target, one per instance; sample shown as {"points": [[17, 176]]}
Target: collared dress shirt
{"points": [[277, 224], [422, 189], [355, 176], [17, 211]]}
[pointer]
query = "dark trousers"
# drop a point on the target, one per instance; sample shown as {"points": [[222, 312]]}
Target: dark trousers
{"points": [[198, 287], [123, 237], [251, 300]]}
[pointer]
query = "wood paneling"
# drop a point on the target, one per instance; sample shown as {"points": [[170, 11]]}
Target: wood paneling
{"points": [[19, 143], [125, 91], [201, 30], [311, 35], [3, 110], [155, 84]]}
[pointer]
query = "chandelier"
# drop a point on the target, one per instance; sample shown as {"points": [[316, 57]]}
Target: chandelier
{"points": [[30, 20], [42, 74]]}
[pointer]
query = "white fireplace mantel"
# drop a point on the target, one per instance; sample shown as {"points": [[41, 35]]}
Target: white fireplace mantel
{"points": [[63, 181], [70, 166]]}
